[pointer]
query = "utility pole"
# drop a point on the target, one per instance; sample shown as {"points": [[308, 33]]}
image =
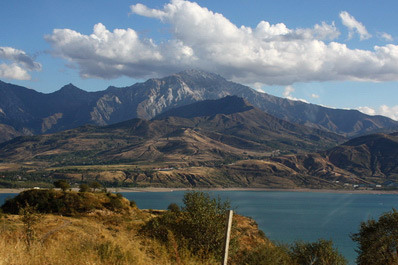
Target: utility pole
{"points": [[227, 236]]}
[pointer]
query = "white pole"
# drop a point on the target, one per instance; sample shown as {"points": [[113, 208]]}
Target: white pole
{"points": [[227, 236]]}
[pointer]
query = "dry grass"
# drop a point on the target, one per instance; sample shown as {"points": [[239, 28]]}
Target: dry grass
{"points": [[98, 240], [101, 238], [101, 235]]}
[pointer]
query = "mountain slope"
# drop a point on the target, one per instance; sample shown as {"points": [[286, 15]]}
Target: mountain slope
{"points": [[225, 133], [31, 112], [363, 160], [235, 116]]}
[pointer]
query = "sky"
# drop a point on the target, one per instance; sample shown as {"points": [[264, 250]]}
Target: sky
{"points": [[339, 54]]}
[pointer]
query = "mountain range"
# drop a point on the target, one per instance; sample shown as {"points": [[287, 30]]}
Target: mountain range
{"points": [[208, 132], [212, 143], [205, 131], [363, 160], [25, 111]]}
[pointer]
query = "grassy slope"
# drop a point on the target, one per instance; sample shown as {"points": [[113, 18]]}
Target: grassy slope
{"points": [[103, 237]]}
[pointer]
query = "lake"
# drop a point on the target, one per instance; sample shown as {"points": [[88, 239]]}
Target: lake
{"points": [[289, 216]]}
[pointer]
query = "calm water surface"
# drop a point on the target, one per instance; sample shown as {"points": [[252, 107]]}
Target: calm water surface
{"points": [[289, 216]]}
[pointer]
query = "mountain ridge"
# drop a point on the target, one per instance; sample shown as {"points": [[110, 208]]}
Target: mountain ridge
{"points": [[30, 112], [221, 134]]}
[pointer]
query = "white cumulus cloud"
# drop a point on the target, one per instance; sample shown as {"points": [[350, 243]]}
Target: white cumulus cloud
{"points": [[354, 26], [367, 110], [288, 91], [270, 54], [15, 64], [384, 110]]}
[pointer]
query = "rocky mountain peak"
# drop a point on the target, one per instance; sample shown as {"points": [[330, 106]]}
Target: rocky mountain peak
{"points": [[197, 75], [70, 89]]}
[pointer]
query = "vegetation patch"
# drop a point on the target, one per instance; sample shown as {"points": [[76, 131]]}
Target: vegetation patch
{"points": [[67, 203]]}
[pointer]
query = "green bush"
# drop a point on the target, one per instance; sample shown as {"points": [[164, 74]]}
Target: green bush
{"points": [[204, 222], [266, 255], [65, 203], [84, 188], [378, 240], [173, 207], [62, 184], [198, 226], [320, 252], [133, 204], [94, 185]]}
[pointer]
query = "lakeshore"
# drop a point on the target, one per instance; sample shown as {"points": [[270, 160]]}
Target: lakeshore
{"points": [[160, 189]]}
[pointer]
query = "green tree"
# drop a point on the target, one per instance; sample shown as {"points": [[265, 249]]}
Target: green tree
{"points": [[378, 240], [62, 184], [204, 222], [320, 252], [84, 188], [95, 185], [199, 226], [174, 208]]}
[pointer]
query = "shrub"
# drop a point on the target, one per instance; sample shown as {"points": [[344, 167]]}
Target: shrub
{"points": [[320, 252], [133, 204], [95, 185], [199, 226], [30, 218], [270, 255], [115, 203], [65, 203], [84, 188], [204, 222], [378, 240], [174, 208], [62, 184]]}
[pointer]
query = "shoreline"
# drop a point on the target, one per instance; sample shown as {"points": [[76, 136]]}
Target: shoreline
{"points": [[158, 189]]}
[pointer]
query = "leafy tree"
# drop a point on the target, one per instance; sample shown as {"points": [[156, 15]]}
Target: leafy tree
{"points": [[84, 188], [62, 184], [95, 185], [378, 240], [204, 222], [198, 226], [173, 207], [320, 252]]}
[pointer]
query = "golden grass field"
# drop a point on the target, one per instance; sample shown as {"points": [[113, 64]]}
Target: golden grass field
{"points": [[102, 237]]}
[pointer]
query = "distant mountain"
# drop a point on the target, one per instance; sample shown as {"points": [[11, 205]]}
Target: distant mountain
{"points": [[29, 112], [363, 160], [208, 131]]}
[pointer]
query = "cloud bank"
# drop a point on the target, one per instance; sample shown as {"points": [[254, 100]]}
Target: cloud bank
{"points": [[384, 110], [15, 64], [271, 54]]}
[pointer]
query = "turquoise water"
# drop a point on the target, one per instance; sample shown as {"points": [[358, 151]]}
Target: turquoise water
{"points": [[289, 216]]}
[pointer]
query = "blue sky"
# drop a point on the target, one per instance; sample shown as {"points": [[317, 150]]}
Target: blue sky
{"points": [[341, 54]]}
